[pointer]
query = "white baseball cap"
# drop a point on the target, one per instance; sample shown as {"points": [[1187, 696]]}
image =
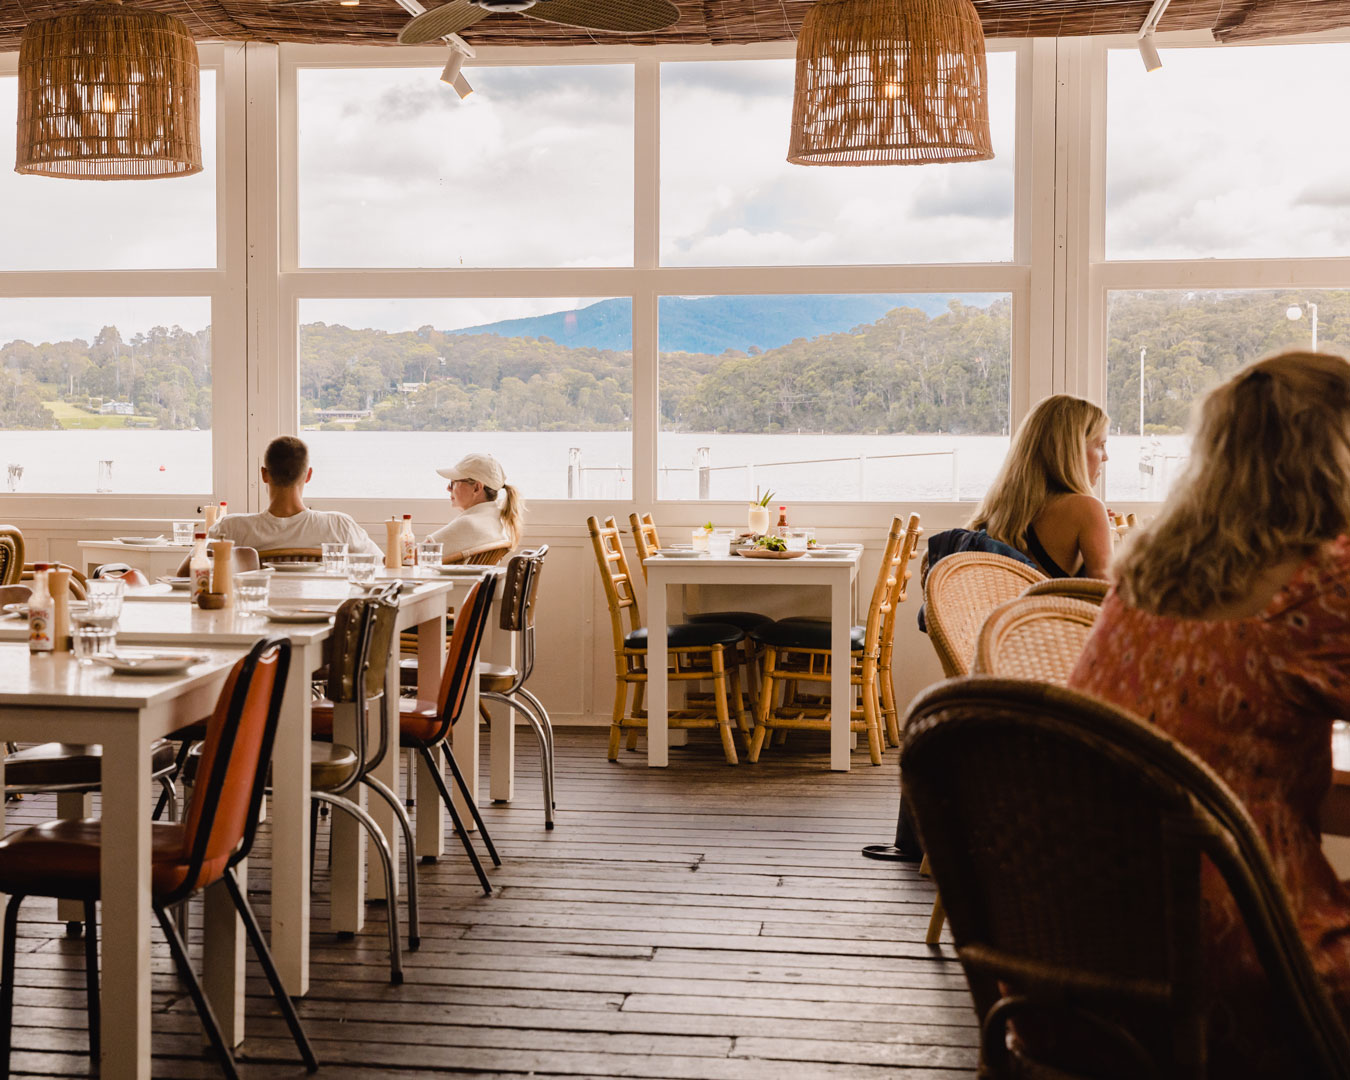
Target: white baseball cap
{"points": [[483, 468]]}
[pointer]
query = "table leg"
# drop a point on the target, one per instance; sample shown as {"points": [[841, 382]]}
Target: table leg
{"points": [[464, 740], [499, 647], [223, 956], [430, 811], [347, 911], [658, 686], [290, 825], [125, 868], [841, 690]]}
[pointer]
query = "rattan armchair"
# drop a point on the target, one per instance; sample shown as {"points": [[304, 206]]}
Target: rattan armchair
{"points": [[291, 555], [960, 592], [78, 580], [1093, 590], [1068, 836], [11, 554], [1035, 637]]}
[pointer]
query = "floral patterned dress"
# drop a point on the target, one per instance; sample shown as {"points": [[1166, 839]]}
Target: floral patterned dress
{"points": [[1254, 698]]}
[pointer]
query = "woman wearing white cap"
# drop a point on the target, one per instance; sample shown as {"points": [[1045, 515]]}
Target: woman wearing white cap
{"points": [[491, 511]]}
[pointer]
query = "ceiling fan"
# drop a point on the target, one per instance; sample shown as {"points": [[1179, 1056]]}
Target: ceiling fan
{"points": [[617, 16]]}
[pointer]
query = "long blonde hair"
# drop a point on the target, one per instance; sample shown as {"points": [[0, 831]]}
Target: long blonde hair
{"points": [[1048, 457], [1268, 479], [512, 511]]}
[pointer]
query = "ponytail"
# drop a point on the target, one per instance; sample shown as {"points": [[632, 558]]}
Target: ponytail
{"points": [[512, 511]]}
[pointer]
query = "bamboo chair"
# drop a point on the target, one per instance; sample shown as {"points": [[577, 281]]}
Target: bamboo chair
{"points": [[960, 592], [487, 555], [1092, 590], [78, 580], [11, 555], [291, 555], [697, 652], [1035, 637], [910, 549], [1069, 836], [798, 651]]}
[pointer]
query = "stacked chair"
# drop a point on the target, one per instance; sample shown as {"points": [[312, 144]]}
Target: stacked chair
{"points": [[698, 652], [1069, 838], [798, 651], [1091, 590]]}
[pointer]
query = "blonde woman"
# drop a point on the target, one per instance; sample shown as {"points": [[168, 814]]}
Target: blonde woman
{"points": [[1229, 627], [1041, 502], [491, 511]]}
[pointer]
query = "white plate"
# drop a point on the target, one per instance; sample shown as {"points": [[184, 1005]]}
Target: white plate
{"points": [[297, 567], [461, 570], [140, 541], [830, 553], [127, 663], [675, 553], [299, 615], [176, 583]]}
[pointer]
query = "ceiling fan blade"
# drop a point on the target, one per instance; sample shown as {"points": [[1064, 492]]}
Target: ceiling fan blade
{"points": [[619, 16], [449, 18]]}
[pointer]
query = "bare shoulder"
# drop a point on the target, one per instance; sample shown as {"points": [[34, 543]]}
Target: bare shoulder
{"points": [[1082, 509]]}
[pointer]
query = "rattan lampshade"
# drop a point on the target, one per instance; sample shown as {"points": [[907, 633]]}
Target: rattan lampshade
{"points": [[890, 82], [108, 92]]}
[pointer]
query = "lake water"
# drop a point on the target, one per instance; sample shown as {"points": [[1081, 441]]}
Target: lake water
{"points": [[399, 464]]}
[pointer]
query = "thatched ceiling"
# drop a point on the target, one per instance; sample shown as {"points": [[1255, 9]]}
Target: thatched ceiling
{"points": [[716, 22]]}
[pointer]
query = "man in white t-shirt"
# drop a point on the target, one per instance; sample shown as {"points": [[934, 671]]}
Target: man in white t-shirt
{"points": [[287, 522]]}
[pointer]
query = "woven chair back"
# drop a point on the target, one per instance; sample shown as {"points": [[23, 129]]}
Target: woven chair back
{"points": [[78, 581], [615, 577], [296, 554], [1066, 839], [960, 592], [11, 555], [1092, 590], [645, 538], [487, 555], [1035, 637]]}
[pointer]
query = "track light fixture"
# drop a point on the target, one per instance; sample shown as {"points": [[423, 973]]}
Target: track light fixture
{"points": [[1147, 50]]}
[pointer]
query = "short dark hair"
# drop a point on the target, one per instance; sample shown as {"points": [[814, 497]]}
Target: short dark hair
{"points": [[286, 460]]}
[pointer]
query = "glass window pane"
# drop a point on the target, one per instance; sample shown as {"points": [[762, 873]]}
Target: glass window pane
{"points": [[833, 398], [52, 224], [1227, 153], [1185, 343], [122, 380], [729, 197], [391, 390], [535, 168]]}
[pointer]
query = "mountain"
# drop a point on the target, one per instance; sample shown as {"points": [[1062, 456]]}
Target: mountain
{"points": [[713, 324]]}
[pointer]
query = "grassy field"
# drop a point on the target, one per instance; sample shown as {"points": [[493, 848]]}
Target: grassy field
{"points": [[76, 419]]}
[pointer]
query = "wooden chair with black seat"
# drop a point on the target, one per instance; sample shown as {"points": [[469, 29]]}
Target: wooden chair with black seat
{"points": [[425, 726], [798, 651], [11, 554], [698, 653], [1069, 837], [61, 858], [648, 542], [363, 633], [1038, 638], [960, 592], [506, 682]]}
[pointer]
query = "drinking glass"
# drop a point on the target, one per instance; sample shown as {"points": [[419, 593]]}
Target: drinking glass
{"points": [[719, 542], [429, 553], [251, 590], [15, 476], [334, 558], [92, 635], [182, 531], [361, 568], [796, 539], [103, 597], [699, 539]]}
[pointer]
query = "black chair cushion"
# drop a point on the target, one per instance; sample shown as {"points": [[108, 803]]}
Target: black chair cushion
{"points": [[689, 635], [804, 634], [743, 620], [52, 766]]}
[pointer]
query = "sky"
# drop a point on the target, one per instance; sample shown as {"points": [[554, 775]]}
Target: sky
{"points": [[536, 167]]}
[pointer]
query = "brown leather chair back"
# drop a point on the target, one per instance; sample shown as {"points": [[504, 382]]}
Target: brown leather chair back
{"points": [[461, 663], [11, 554], [223, 814]]}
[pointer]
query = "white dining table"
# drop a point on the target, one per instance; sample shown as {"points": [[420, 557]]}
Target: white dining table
{"points": [[835, 574], [155, 559], [54, 698]]}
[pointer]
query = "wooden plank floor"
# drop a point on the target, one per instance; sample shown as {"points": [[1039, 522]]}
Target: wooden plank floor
{"points": [[694, 923]]}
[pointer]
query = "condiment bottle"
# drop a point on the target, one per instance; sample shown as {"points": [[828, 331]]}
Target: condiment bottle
{"points": [[222, 573], [210, 510], [393, 543], [408, 541], [781, 529], [223, 511], [40, 611], [199, 565], [58, 586]]}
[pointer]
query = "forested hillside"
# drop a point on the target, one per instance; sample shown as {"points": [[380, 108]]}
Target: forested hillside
{"points": [[907, 371]]}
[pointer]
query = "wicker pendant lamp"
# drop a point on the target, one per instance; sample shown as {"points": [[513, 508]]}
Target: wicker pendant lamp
{"points": [[108, 92], [890, 82]]}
